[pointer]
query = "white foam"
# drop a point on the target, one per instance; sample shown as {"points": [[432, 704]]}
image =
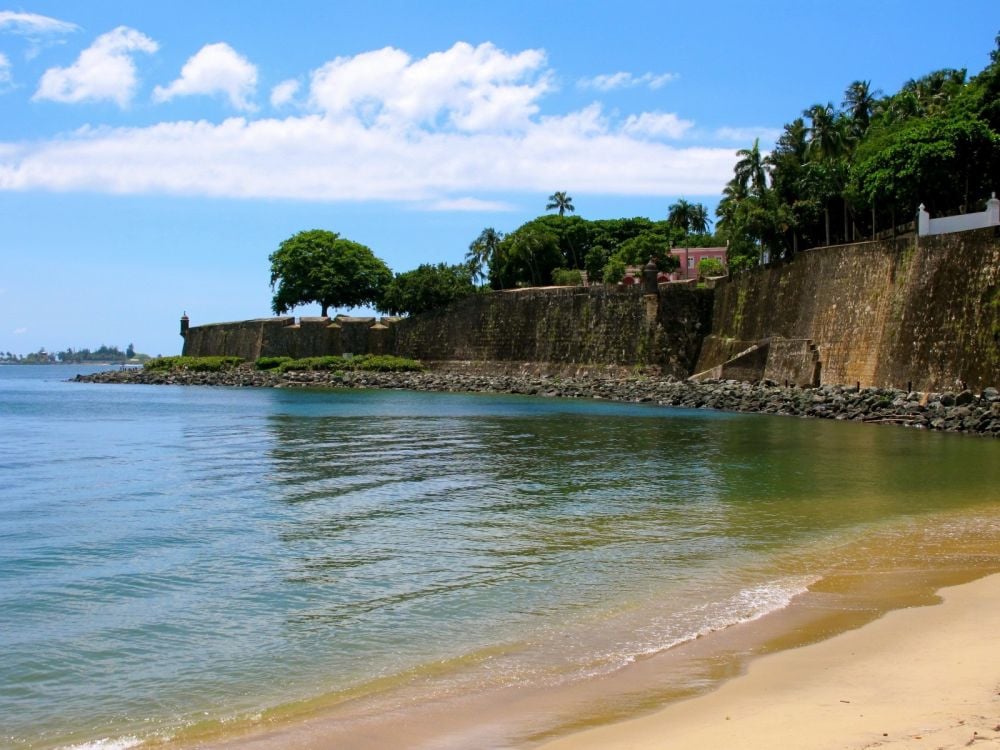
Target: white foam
{"points": [[744, 606], [119, 743]]}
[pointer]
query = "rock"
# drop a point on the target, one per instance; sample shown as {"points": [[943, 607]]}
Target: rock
{"points": [[947, 399], [963, 398]]}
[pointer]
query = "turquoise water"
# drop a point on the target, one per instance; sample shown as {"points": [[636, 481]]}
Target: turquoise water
{"points": [[175, 560]]}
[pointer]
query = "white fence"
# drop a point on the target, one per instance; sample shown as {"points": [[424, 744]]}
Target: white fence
{"points": [[961, 223]]}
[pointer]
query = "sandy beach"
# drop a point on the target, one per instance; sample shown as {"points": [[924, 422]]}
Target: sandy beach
{"points": [[922, 677]]}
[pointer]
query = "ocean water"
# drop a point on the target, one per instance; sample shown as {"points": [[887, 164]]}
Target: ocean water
{"points": [[184, 565]]}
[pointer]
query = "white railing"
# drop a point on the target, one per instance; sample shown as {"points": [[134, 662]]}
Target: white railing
{"points": [[961, 223]]}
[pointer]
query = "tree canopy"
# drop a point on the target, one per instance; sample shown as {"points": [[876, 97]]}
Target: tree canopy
{"points": [[840, 175], [427, 287], [320, 266]]}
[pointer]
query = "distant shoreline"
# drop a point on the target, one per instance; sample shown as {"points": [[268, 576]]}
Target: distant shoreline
{"points": [[965, 412]]}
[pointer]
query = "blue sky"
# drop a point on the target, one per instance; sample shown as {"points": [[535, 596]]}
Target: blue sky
{"points": [[153, 154]]}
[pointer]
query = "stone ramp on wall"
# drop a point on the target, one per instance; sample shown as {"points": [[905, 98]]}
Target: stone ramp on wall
{"points": [[792, 361]]}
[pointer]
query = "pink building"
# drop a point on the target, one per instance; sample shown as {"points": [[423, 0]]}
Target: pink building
{"points": [[689, 257]]}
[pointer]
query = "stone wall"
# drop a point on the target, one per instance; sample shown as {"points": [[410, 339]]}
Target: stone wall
{"points": [[888, 313], [561, 326], [891, 313]]}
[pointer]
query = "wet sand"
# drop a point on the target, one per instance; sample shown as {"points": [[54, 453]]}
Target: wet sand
{"points": [[920, 677]]}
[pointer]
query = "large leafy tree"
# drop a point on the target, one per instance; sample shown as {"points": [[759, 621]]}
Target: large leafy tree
{"points": [[320, 266], [561, 202], [427, 287]]}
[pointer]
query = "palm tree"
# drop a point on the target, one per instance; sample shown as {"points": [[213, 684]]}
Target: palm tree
{"points": [[690, 218], [483, 252], [749, 170], [829, 145], [561, 202], [679, 215], [732, 195], [699, 221], [859, 101], [827, 137]]}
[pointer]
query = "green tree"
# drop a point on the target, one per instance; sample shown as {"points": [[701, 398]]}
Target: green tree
{"points": [[320, 266], [483, 252], [943, 161], [749, 171], [427, 287], [688, 218], [859, 101], [560, 202], [679, 215]]}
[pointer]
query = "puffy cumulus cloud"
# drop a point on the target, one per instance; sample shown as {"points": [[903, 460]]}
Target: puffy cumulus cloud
{"points": [[622, 80], [33, 24], [214, 69], [440, 132], [470, 89], [284, 92], [321, 158], [105, 70]]}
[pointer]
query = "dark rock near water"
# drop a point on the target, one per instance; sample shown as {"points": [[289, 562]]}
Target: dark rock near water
{"points": [[965, 412]]}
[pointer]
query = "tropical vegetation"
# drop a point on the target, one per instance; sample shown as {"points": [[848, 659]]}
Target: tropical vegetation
{"points": [[604, 248], [427, 287], [321, 266], [841, 174]]}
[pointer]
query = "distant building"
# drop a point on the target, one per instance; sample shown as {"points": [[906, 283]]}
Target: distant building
{"points": [[689, 257]]}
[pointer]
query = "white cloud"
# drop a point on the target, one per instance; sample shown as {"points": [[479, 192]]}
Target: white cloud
{"points": [[621, 80], [438, 132], [466, 88], [214, 69], [6, 78], [105, 70], [656, 125], [20, 331], [327, 159], [746, 135], [468, 204], [284, 92], [32, 24]]}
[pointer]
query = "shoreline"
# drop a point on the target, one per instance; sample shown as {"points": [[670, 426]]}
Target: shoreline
{"points": [[916, 677], [643, 707], [964, 411]]}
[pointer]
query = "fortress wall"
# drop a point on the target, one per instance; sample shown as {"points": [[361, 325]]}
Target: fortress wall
{"points": [[569, 325], [881, 313], [565, 325], [884, 313]]}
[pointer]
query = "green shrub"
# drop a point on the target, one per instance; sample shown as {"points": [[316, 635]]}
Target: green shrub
{"points": [[367, 362], [566, 277], [710, 267], [614, 271], [196, 364], [387, 363], [269, 363]]}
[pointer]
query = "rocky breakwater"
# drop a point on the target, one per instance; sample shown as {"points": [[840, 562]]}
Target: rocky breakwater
{"points": [[963, 411]]}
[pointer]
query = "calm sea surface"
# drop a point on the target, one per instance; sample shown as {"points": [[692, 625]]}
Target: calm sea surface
{"points": [[179, 561]]}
